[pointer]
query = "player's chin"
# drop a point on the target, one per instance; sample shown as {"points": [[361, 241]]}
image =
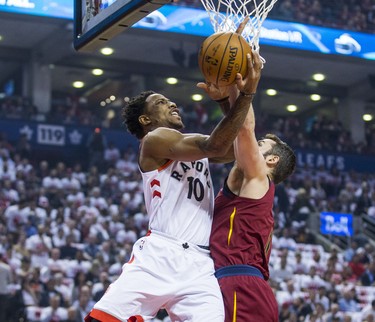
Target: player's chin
{"points": [[178, 125]]}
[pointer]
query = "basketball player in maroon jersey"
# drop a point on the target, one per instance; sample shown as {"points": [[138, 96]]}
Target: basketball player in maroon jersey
{"points": [[241, 236]]}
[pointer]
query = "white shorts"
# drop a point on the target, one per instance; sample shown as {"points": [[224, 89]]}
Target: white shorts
{"points": [[162, 273]]}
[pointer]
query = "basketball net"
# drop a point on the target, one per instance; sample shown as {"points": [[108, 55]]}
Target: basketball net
{"points": [[226, 15]]}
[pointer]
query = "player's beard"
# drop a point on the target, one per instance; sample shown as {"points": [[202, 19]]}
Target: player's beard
{"points": [[178, 126]]}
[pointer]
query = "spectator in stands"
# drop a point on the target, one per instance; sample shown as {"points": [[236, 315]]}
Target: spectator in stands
{"points": [[312, 280], [301, 308], [282, 204], [78, 173], [6, 278], [96, 200], [286, 241], [127, 164], [300, 266], [333, 269], [31, 210], [111, 154], [288, 292], [368, 277], [368, 310], [317, 315], [356, 266], [350, 251], [91, 247], [346, 198], [286, 314], [79, 263], [19, 248], [100, 292], [48, 290], [363, 199], [347, 302], [55, 312], [322, 297], [96, 146], [334, 314], [55, 264], [30, 292], [39, 246], [302, 207], [14, 217], [7, 173], [84, 304], [69, 251], [80, 279], [23, 146], [317, 262], [281, 271]]}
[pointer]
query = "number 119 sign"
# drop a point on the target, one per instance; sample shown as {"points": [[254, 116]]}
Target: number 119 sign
{"points": [[51, 134]]}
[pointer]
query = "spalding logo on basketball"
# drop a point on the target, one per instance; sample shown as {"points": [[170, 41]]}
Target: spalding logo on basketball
{"points": [[222, 56]]}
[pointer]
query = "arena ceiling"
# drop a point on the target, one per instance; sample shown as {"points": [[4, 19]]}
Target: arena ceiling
{"points": [[139, 52]]}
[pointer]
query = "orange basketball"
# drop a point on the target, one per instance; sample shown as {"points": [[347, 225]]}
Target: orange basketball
{"points": [[222, 56]]}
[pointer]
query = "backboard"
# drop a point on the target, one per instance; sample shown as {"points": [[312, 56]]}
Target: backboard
{"points": [[97, 21]]}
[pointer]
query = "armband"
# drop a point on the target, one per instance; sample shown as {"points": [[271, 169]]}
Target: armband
{"points": [[247, 94]]}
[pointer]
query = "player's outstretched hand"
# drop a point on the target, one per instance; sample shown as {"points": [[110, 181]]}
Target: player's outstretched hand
{"points": [[249, 84]]}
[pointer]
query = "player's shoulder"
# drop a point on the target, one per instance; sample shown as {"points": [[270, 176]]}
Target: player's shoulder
{"points": [[158, 140], [160, 132]]}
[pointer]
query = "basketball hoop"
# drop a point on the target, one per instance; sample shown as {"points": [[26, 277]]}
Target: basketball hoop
{"points": [[226, 15]]}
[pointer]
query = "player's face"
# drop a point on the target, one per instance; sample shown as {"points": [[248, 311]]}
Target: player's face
{"points": [[265, 145], [163, 112]]}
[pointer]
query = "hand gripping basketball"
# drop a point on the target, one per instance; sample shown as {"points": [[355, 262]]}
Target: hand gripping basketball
{"points": [[248, 85], [218, 92]]}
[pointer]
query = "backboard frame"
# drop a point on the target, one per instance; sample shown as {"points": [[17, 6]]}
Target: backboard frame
{"points": [[111, 21]]}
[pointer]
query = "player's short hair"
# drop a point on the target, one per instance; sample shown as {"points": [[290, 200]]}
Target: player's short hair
{"points": [[287, 159], [132, 111]]}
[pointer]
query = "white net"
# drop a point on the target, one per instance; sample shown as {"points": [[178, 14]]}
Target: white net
{"points": [[226, 15]]}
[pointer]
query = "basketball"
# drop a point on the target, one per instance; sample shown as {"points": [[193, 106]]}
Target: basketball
{"points": [[222, 56]]}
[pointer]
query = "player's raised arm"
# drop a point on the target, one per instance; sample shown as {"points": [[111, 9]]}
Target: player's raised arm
{"points": [[249, 165], [248, 157]]}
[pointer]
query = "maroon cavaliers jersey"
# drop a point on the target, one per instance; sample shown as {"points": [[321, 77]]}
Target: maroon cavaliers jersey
{"points": [[242, 230]]}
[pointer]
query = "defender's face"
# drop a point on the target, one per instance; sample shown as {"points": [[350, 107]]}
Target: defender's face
{"points": [[163, 112], [265, 145]]}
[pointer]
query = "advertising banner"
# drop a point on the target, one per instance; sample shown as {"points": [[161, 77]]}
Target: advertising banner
{"points": [[336, 224]]}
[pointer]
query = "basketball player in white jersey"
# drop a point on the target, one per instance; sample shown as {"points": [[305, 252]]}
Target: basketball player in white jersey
{"points": [[171, 267]]}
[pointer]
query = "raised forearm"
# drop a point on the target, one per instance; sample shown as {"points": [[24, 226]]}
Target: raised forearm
{"points": [[225, 132], [224, 105], [229, 101], [249, 124]]}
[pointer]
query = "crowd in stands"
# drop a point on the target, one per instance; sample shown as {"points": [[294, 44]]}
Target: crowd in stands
{"points": [[66, 231], [354, 15]]}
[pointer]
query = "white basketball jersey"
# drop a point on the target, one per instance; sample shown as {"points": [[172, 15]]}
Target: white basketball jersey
{"points": [[179, 199]]}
